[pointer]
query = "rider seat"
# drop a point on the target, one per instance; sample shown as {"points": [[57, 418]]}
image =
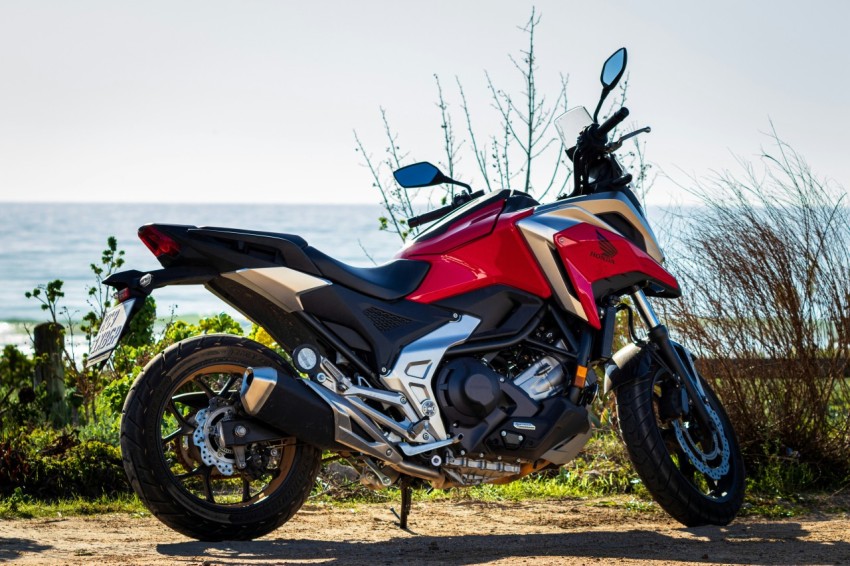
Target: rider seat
{"points": [[390, 281]]}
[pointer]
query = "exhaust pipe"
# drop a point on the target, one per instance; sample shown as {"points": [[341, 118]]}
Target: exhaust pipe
{"points": [[288, 405], [319, 416]]}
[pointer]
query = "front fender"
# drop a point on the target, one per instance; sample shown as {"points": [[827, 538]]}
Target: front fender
{"points": [[629, 363]]}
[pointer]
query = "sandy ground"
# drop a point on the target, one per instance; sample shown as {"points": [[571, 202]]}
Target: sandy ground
{"points": [[456, 532]]}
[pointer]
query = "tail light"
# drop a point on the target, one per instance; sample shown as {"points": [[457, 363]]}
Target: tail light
{"points": [[123, 295], [158, 242]]}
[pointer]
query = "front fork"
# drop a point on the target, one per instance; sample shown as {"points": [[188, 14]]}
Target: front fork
{"points": [[683, 369]]}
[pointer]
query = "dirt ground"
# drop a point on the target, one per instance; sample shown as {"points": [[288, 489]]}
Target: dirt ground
{"points": [[446, 532]]}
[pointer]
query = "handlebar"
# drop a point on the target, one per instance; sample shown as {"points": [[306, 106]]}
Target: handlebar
{"points": [[430, 216], [438, 213], [612, 121]]}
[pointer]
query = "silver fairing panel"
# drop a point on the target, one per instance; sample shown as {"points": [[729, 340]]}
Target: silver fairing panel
{"points": [[414, 372], [540, 228]]}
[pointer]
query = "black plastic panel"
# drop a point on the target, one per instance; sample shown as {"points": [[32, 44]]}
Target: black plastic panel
{"points": [[503, 310], [519, 201], [620, 284], [236, 249], [355, 311], [286, 329], [229, 249], [621, 225], [557, 421]]}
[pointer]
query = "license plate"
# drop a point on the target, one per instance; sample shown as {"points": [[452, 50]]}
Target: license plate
{"points": [[110, 331]]}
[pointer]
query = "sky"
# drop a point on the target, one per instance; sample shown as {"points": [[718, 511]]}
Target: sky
{"points": [[257, 101]]}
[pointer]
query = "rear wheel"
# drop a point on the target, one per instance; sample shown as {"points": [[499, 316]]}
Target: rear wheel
{"points": [[696, 475], [173, 457]]}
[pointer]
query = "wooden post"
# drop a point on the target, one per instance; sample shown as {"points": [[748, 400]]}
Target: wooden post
{"points": [[49, 341]]}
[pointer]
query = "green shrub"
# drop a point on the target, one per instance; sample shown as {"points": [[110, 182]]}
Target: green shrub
{"points": [[20, 402], [113, 394], [50, 465], [90, 469], [141, 327]]}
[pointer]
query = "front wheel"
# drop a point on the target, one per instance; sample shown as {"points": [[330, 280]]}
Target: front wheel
{"points": [[175, 462], [697, 476]]}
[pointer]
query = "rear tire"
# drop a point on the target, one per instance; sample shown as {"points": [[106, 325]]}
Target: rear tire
{"points": [[697, 480], [163, 460]]}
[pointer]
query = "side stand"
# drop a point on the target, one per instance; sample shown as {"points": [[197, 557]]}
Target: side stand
{"points": [[406, 500]]}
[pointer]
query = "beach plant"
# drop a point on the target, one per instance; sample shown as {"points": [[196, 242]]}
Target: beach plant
{"points": [[48, 295], [99, 298], [19, 400], [85, 383]]}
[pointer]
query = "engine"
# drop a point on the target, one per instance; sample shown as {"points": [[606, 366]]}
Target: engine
{"points": [[498, 418]]}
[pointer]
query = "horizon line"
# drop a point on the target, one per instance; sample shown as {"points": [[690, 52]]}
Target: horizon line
{"points": [[194, 203]]}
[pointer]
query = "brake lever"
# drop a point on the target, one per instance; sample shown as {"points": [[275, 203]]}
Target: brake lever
{"points": [[614, 146]]}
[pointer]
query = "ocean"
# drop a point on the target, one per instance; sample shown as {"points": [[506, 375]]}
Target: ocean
{"points": [[43, 242]]}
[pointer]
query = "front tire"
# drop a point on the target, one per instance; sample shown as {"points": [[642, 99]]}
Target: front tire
{"points": [[164, 455], [697, 478]]}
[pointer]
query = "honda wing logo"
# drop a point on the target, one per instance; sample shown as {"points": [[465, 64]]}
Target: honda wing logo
{"points": [[607, 250]]}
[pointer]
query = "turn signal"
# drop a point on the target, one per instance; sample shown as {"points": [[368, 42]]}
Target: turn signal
{"points": [[158, 242]]}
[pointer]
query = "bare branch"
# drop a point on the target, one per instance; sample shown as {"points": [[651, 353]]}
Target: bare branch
{"points": [[376, 182], [366, 252], [480, 155], [505, 111], [449, 144], [394, 161]]}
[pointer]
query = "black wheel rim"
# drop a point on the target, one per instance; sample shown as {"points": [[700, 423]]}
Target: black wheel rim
{"points": [[210, 392]]}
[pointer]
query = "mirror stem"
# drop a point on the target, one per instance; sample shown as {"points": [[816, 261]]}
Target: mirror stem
{"points": [[599, 106], [464, 185]]}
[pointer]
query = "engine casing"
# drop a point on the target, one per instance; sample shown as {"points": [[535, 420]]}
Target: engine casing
{"points": [[494, 416]]}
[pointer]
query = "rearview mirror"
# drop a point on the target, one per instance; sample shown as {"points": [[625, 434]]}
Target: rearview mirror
{"points": [[423, 174], [418, 175], [613, 68], [612, 72]]}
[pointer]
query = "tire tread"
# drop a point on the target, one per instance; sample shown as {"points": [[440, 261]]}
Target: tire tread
{"points": [[650, 457]]}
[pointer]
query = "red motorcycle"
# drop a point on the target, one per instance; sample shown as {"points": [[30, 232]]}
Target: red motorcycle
{"points": [[468, 359]]}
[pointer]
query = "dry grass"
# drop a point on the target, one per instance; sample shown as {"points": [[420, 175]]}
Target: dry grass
{"points": [[766, 275]]}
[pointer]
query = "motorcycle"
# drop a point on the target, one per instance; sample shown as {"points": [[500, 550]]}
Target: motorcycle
{"points": [[470, 358]]}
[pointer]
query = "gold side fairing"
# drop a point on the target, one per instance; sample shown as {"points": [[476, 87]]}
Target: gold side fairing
{"points": [[540, 228], [280, 285]]}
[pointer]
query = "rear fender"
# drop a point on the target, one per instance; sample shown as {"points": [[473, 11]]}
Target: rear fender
{"points": [[141, 284], [631, 362]]}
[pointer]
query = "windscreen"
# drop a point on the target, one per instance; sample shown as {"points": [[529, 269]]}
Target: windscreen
{"points": [[571, 123]]}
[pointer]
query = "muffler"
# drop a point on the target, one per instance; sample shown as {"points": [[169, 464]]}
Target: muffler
{"points": [[287, 404]]}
